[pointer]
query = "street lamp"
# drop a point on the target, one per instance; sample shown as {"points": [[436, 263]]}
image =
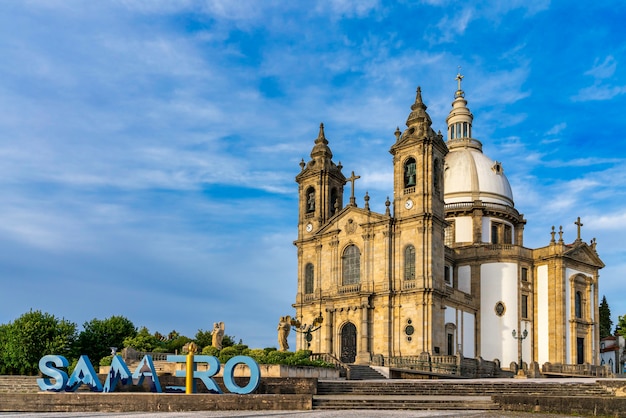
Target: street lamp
{"points": [[520, 337], [307, 330]]}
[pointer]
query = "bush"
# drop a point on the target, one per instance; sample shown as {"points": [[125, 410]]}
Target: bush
{"points": [[229, 352], [209, 350], [106, 361]]}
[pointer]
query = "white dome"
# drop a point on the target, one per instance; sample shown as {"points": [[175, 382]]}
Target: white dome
{"points": [[470, 175]]}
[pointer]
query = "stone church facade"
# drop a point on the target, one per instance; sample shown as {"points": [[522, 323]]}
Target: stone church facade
{"points": [[444, 270]]}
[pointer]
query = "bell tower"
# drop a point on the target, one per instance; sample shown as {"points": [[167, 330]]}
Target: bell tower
{"points": [[418, 161], [418, 156], [321, 187]]}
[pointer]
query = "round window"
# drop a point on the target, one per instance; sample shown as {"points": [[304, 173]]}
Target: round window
{"points": [[500, 308]]}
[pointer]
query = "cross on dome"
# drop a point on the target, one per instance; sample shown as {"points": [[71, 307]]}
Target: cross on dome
{"points": [[459, 78]]}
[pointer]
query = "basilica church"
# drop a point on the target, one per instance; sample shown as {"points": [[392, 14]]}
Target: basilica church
{"points": [[444, 269]]}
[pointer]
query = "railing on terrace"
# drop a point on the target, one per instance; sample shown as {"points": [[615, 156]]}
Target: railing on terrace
{"points": [[434, 364], [330, 359], [456, 365], [577, 370], [498, 207]]}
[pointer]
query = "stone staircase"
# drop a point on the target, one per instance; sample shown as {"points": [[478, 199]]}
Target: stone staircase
{"points": [[433, 394], [18, 384], [361, 372]]}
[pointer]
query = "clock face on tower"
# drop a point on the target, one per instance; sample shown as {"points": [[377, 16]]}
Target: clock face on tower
{"points": [[309, 227], [408, 204]]}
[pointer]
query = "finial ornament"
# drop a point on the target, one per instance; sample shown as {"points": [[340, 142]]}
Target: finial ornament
{"points": [[459, 78]]}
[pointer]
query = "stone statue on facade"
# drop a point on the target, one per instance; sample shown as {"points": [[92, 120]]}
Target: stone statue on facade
{"points": [[284, 327], [218, 334]]}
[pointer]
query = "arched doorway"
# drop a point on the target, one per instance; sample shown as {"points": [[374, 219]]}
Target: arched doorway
{"points": [[348, 343]]}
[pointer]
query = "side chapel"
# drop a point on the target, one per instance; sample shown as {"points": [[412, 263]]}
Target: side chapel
{"points": [[444, 270]]}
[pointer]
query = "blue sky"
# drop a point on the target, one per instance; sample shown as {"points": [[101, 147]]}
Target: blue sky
{"points": [[148, 149]]}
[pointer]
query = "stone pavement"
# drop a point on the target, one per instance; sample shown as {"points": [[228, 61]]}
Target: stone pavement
{"points": [[294, 414]]}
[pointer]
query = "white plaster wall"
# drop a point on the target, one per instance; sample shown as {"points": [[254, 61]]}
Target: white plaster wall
{"points": [[498, 282], [463, 229], [464, 279], [543, 336], [469, 335]]}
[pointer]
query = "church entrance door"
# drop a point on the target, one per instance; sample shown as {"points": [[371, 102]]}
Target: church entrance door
{"points": [[348, 343]]}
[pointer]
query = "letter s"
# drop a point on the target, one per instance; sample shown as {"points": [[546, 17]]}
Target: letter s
{"points": [[46, 368]]}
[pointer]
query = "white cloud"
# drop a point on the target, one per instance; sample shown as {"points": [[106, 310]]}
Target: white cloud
{"points": [[602, 70]]}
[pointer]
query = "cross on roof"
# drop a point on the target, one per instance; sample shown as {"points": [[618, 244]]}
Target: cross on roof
{"points": [[352, 179], [579, 225]]}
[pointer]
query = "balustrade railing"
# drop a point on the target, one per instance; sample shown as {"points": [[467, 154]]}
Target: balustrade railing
{"points": [[577, 369], [351, 288]]}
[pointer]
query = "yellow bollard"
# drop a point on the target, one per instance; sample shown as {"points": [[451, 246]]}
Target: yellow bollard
{"points": [[190, 366]]}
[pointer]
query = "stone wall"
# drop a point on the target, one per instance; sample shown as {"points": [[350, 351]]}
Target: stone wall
{"points": [[148, 402]]}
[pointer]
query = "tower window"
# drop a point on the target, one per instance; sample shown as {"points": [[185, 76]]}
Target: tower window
{"points": [[351, 265], [525, 306], [310, 200], [495, 233], [501, 233], [524, 274], [409, 262], [333, 201], [578, 305], [309, 278], [409, 173], [447, 276], [508, 234]]}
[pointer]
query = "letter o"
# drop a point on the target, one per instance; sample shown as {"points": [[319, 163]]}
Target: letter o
{"points": [[229, 375]]}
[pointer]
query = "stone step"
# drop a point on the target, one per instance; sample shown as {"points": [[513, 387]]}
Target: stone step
{"points": [[358, 372], [466, 391], [343, 402], [419, 388]]}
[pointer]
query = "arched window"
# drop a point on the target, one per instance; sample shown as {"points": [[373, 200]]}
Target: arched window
{"points": [[351, 264], [578, 305], [437, 175], [333, 201], [409, 262], [409, 173], [309, 279], [310, 200]]}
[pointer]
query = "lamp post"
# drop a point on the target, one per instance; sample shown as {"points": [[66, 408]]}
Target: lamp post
{"points": [[307, 330], [521, 338]]}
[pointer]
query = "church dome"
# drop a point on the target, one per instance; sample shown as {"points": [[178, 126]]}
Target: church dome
{"points": [[469, 174]]}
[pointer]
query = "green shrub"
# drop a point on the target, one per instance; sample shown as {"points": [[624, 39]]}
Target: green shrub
{"points": [[209, 350], [106, 361]]}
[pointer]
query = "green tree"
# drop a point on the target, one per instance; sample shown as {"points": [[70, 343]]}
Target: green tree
{"points": [[98, 336], [606, 324], [31, 336], [621, 326], [144, 341], [203, 339]]}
